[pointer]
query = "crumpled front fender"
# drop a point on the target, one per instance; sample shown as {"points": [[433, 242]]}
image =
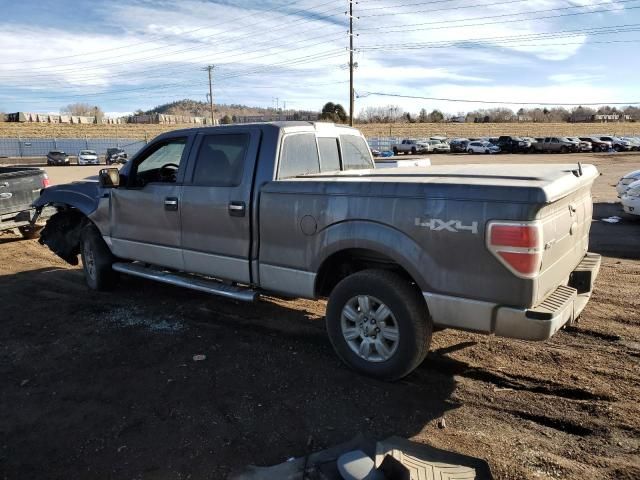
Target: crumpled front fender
{"points": [[83, 196]]}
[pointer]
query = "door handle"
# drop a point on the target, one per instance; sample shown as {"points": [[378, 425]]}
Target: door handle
{"points": [[237, 209], [171, 204]]}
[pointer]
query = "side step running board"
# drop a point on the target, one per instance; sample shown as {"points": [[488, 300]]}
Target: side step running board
{"points": [[187, 281]]}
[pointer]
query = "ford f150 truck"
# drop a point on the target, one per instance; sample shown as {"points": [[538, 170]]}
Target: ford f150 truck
{"points": [[19, 187], [299, 209]]}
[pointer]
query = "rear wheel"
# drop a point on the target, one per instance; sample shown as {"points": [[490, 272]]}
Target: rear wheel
{"points": [[395, 151], [413, 151], [564, 150], [97, 260], [470, 151], [378, 324]]}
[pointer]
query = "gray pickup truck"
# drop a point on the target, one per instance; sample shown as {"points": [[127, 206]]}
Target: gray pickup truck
{"points": [[556, 145], [299, 209], [19, 187]]}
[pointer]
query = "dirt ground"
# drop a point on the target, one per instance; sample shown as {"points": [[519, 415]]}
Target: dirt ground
{"points": [[105, 385]]}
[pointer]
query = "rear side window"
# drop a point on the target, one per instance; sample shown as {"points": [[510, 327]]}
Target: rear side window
{"points": [[221, 160], [355, 152], [299, 156], [329, 154]]}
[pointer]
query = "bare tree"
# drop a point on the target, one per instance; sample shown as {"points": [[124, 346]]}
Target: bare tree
{"points": [[82, 109]]}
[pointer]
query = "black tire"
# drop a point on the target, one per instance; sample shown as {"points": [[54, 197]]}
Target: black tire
{"points": [[564, 150], [413, 151], [470, 151], [395, 151], [617, 148], [97, 260], [29, 232], [487, 151], [409, 317]]}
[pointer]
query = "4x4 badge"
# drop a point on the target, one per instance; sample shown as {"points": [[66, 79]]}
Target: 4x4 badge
{"points": [[437, 225]]}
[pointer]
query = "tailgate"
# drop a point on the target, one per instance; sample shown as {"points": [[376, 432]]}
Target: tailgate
{"points": [[19, 188], [565, 225]]}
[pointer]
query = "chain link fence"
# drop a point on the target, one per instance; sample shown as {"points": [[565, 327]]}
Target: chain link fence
{"points": [[39, 147], [383, 144]]}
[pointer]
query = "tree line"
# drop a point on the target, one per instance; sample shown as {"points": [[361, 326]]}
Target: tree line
{"points": [[396, 114]]}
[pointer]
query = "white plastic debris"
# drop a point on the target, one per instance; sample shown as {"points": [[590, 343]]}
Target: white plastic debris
{"points": [[199, 358], [614, 219]]}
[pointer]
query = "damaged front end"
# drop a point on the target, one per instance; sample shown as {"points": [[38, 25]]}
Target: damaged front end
{"points": [[62, 234], [74, 202]]}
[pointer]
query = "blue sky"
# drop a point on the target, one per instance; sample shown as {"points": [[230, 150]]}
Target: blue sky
{"points": [[128, 54]]}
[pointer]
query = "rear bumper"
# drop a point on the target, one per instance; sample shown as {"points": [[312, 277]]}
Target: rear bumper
{"points": [[23, 218], [562, 306]]}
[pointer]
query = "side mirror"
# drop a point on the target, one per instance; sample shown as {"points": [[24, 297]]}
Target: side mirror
{"points": [[109, 178]]}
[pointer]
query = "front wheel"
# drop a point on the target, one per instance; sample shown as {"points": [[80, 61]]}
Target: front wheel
{"points": [[30, 232], [97, 260], [378, 324]]}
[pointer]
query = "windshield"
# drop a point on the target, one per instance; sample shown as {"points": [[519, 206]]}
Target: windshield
{"points": [[87, 152]]}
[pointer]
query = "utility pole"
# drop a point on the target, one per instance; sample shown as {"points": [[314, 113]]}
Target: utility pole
{"points": [[210, 68], [351, 91]]}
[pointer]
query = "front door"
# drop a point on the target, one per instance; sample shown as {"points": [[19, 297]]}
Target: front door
{"points": [[145, 213], [216, 213]]}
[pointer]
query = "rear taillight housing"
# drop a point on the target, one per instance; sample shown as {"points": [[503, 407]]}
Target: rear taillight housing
{"points": [[517, 245], [45, 182]]}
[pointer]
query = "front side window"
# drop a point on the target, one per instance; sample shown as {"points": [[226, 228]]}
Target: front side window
{"points": [[355, 153], [161, 164], [299, 156], [221, 160]]}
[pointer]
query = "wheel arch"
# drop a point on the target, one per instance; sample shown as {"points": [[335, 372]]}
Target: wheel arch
{"points": [[349, 247]]}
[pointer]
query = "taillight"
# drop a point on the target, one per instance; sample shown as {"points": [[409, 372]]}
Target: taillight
{"points": [[518, 246], [45, 182]]}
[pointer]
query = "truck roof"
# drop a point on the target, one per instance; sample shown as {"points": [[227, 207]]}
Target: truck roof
{"points": [[287, 126]]}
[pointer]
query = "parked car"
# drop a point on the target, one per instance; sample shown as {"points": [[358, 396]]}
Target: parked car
{"points": [[88, 157], [57, 157], [19, 187], [634, 141], [630, 199], [459, 145], [439, 147], [411, 146], [115, 155], [627, 180], [482, 147], [582, 145], [618, 144], [299, 209], [510, 144], [597, 145]]}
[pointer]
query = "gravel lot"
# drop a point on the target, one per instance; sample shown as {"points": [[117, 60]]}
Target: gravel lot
{"points": [[105, 385]]}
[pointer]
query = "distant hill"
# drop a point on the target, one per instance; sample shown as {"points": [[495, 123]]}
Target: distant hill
{"points": [[197, 108]]}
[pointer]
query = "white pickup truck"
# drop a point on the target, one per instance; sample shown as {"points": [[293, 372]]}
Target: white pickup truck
{"points": [[411, 146]]}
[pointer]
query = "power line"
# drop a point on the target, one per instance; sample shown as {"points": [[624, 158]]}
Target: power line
{"points": [[261, 12], [365, 31], [164, 53], [416, 97]]}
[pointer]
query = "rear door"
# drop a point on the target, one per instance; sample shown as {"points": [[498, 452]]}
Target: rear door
{"points": [[215, 214], [145, 213]]}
